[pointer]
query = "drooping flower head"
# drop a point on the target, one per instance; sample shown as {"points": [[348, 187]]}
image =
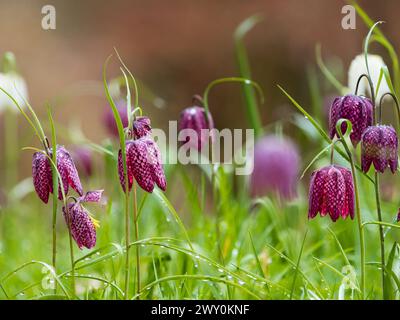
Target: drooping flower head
{"points": [[276, 166], [141, 127], [194, 118], [109, 120], [358, 67], [379, 145], [358, 110], [83, 159], [11, 82], [42, 174], [82, 225], [331, 192], [144, 164]]}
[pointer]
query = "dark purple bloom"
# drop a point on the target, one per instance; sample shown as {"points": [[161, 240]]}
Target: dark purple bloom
{"points": [[195, 118], [109, 120], [83, 160], [357, 109], [379, 146], [331, 192], [42, 174], [82, 225], [141, 127], [276, 166], [398, 216], [143, 161]]}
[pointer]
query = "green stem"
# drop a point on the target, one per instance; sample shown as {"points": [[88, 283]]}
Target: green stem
{"points": [[357, 199], [135, 218], [54, 243], [381, 234], [127, 236]]}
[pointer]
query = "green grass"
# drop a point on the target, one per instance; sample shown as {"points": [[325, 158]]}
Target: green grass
{"points": [[205, 238]]}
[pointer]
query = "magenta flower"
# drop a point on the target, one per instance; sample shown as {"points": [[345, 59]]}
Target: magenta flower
{"points": [[331, 192], [109, 121], [141, 127], [276, 166], [42, 174], [379, 146], [357, 109], [83, 159], [143, 161], [195, 118], [82, 225]]}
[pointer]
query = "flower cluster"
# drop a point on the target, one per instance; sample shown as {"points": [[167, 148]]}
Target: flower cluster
{"points": [[331, 188], [81, 224], [143, 159]]}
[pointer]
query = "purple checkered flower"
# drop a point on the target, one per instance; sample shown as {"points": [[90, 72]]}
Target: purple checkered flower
{"points": [[82, 225], [109, 120], [141, 127], [42, 174], [331, 192], [357, 109], [195, 118], [276, 166], [143, 161], [379, 146]]}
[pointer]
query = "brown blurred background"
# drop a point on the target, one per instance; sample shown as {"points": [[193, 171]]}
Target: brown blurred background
{"points": [[176, 48]]}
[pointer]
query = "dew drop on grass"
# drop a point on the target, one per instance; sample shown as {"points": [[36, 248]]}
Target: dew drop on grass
{"points": [[220, 270], [241, 282]]}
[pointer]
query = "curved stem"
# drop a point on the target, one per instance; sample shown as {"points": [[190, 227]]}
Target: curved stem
{"points": [[357, 202], [228, 80], [396, 104]]}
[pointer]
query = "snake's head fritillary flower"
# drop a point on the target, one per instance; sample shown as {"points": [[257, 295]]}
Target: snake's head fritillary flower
{"points": [[144, 164], [12, 82], [83, 159], [276, 166], [398, 216], [42, 174], [358, 67], [379, 146], [358, 110], [331, 192], [109, 120], [141, 127], [82, 225], [195, 118]]}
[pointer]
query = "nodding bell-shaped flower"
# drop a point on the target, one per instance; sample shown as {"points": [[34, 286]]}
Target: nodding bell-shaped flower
{"points": [[42, 174], [82, 225], [141, 127], [194, 118], [13, 83], [331, 192], [379, 146], [357, 109], [276, 167], [143, 160]]}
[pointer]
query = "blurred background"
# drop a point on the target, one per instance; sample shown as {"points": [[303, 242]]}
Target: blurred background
{"points": [[176, 48]]}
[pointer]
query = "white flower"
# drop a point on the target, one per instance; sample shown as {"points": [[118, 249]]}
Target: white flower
{"points": [[15, 85], [358, 67]]}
